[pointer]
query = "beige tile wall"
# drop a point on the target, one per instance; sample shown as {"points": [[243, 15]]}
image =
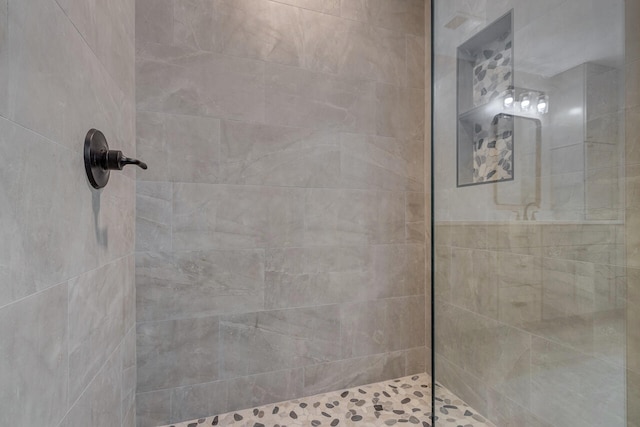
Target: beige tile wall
{"points": [[281, 225]]}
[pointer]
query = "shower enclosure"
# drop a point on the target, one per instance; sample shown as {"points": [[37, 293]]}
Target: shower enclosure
{"points": [[535, 210]]}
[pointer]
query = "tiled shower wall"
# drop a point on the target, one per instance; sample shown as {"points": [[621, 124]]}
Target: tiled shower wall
{"points": [[280, 227], [632, 211], [531, 321], [67, 296]]}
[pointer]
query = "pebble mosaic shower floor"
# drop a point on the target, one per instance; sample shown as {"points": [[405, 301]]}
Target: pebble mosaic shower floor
{"points": [[395, 402]]}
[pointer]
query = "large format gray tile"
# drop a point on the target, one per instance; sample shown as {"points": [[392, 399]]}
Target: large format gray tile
{"points": [[353, 49], [179, 81], [4, 51], [221, 216], [245, 392], [400, 112], [96, 321], [264, 30], [153, 408], [281, 339], [154, 204], [185, 351], [198, 284], [331, 7], [398, 270], [198, 401], [179, 148], [416, 51], [313, 100], [154, 21], [113, 45], [90, 229], [128, 375], [281, 156], [496, 354], [472, 283], [337, 375], [382, 326], [572, 389], [374, 162], [34, 366], [296, 277], [399, 15], [633, 394], [325, 275], [75, 90], [100, 404], [353, 217]]}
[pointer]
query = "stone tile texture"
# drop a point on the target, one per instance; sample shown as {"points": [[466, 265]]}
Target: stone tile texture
{"points": [[67, 285], [281, 226]]}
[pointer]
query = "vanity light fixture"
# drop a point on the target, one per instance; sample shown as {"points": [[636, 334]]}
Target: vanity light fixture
{"points": [[525, 102], [543, 104]]}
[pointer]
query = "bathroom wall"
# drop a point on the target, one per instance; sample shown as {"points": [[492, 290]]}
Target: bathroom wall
{"points": [[280, 227], [530, 321], [632, 212], [531, 316], [581, 137], [67, 295]]}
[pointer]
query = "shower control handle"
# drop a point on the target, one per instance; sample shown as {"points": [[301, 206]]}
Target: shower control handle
{"points": [[99, 160], [115, 160]]}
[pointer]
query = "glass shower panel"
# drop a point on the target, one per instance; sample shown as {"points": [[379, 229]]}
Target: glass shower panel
{"points": [[529, 184]]}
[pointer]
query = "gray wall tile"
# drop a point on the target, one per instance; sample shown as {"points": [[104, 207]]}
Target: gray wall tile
{"points": [[213, 217], [177, 80], [331, 7], [400, 112], [34, 368], [298, 277], [307, 99], [295, 209], [281, 156], [185, 351], [179, 148], [400, 15], [198, 401], [261, 389], [96, 315], [376, 162], [115, 47], [280, 339], [100, 404], [154, 204], [384, 326], [201, 283], [153, 408], [347, 373], [67, 296]]}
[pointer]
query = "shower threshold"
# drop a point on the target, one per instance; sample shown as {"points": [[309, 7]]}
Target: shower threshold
{"points": [[401, 401]]}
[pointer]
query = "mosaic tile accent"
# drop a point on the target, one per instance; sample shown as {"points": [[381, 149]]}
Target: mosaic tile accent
{"points": [[492, 74], [402, 401], [493, 151]]}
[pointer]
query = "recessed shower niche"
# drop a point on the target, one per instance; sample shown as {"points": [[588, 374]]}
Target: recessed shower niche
{"points": [[485, 146]]}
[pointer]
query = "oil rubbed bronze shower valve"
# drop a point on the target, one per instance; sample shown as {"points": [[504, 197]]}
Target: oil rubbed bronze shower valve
{"points": [[99, 161]]}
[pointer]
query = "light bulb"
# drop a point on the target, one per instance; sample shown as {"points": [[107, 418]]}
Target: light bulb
{"points": [[508, 100], [543, 104], [525, 103]]}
